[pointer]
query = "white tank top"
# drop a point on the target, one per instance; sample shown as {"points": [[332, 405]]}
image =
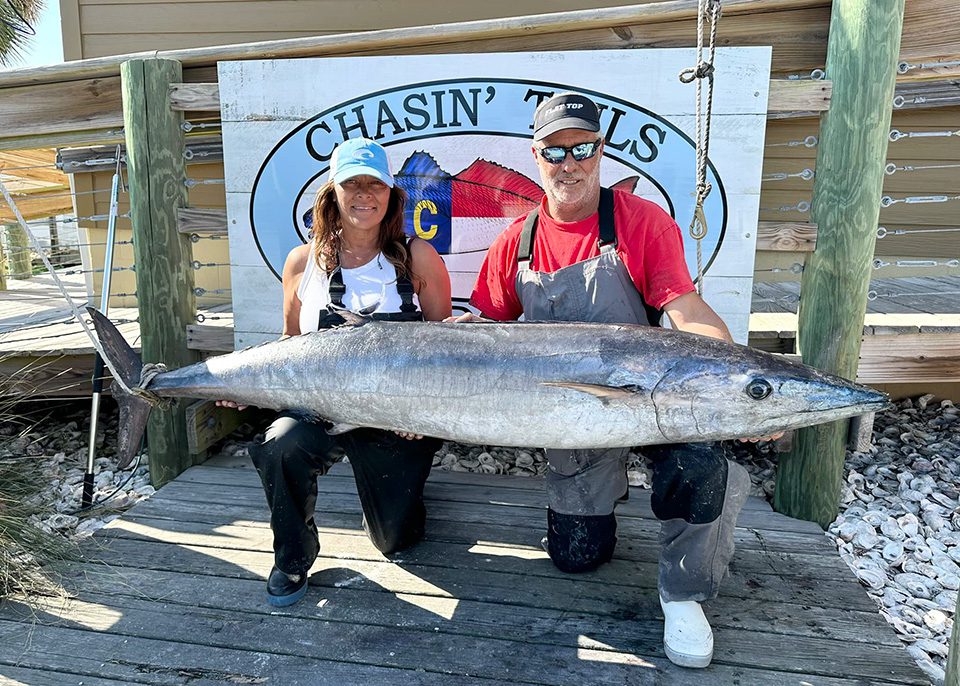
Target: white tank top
{"points": [[373, 282]]}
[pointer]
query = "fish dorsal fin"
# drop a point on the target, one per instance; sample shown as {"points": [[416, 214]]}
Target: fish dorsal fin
{"points": [[604, 393], [351, 318]]}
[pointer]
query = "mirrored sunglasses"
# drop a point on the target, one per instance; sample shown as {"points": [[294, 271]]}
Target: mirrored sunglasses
{"points": [[556, 154]]}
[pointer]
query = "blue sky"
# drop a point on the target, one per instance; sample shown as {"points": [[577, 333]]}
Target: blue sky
{"points": [[47, 46]]}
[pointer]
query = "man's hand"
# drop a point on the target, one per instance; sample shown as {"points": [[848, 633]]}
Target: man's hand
{"points": [[230, 403], [466, 317], [409, 436]]}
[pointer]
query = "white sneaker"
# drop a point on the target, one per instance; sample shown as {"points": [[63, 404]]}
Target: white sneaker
{"points": [[687, 637]]}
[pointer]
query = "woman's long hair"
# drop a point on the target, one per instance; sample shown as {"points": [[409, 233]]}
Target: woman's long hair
{"points": [[327, 231]]}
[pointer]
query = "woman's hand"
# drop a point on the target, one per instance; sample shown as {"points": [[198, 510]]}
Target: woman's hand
{"points": [[466, 317], [230, 403]]}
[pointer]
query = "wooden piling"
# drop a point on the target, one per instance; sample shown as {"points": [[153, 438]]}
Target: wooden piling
{"points": [[18, 253], [862, 53], [156, 177], [54, 239], [953, 657], [3, 268]]}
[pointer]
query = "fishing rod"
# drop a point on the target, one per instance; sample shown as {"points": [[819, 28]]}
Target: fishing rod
{"points": [[98, 368]]}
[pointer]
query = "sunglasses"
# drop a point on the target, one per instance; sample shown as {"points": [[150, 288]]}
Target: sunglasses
{"points": [[556, 154]]}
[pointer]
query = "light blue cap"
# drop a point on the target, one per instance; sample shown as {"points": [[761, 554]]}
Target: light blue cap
{"points": [[358, 157]]}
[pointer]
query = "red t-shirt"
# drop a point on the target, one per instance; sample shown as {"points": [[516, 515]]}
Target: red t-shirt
{"points": [[648, 242]]}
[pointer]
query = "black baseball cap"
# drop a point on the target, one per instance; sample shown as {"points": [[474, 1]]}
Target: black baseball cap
{"points": [[565, 111]]}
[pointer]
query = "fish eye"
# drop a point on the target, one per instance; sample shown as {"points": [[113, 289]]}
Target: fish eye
{"points": [[758, 389]]}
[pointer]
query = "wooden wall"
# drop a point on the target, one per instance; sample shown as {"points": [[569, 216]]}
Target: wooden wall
{"points": [[914, 218], [798, 36], [204, 251], [112, 27]]}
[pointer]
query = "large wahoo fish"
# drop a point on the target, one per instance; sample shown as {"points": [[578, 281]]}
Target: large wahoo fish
{"points": [[549, 385]]}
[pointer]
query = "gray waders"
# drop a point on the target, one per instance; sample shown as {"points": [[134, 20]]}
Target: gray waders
{"points": [[697, 492]]}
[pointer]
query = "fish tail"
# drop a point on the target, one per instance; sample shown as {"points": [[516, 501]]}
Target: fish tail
{"points": [[134, 408]]}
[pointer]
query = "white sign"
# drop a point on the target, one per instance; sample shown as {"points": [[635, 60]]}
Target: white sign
{"points": [[458, 128]]}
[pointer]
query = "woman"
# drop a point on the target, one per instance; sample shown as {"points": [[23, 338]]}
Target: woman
{"points": [[360, 259]]}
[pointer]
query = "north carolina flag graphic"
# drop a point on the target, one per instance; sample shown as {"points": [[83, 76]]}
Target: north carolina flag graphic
{"points": [[464, 213], [461, 214]]}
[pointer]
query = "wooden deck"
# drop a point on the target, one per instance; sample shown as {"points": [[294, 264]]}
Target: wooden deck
{"points": [[904, 296], [44, 350], [173, 593]]}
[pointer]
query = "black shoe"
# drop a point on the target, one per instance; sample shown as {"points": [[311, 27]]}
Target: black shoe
{"points": [[285, 589]]}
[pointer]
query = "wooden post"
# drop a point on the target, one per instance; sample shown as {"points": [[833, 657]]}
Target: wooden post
{"points": [[18, 253], [156, 176], [862, 53], [3, 268], [953, 657], [54, 240]]}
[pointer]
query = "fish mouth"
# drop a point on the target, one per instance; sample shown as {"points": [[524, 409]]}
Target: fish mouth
{"points": [[853, 400]]}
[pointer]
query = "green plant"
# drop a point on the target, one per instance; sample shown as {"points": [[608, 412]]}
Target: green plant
{"points": [[29, 555]]}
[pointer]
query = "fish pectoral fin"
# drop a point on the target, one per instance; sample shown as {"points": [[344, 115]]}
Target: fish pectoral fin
{"points": [[341, 428], [604, 393]]}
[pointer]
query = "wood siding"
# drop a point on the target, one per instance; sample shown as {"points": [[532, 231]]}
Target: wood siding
{"points": [[105, 27], [112, 27]]}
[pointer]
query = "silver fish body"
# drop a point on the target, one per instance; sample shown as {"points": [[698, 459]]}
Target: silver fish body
{"points": [[551, 385]]}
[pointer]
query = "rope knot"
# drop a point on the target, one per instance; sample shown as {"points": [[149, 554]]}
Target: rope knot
{"points": [[147, 374], [703, 70], [703, 190], [149, 371]]}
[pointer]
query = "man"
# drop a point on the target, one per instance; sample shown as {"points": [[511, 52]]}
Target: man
{"points": [[590, 254]]}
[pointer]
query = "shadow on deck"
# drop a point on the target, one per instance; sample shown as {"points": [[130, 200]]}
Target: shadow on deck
{"points": [[173, 593]]}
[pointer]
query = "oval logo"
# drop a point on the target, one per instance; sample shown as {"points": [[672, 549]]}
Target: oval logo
{"points": [[463, 157]]}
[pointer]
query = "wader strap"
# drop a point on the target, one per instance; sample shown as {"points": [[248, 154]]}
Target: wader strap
{"points": [[525, 250], [608, 234], [404, 288], [336, 288], [607, 237]]}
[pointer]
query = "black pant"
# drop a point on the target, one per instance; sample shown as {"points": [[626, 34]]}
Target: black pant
{"points": [[689, 485], [389, 470]]}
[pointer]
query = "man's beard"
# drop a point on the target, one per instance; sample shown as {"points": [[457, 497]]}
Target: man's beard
{"points": [[576, 194]]}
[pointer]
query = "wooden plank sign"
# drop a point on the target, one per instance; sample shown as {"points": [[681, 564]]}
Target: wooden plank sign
{"points": [[458, 131]]}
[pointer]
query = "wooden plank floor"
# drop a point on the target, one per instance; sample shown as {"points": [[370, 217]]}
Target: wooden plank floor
{"points": [[914, 295], [27, 302], [173, 593]]}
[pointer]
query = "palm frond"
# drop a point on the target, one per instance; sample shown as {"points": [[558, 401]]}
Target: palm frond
{"points": [[18, 19]]}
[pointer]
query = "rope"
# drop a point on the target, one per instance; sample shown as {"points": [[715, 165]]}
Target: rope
{"points": [[56, 279], [147, 374], [707, 10]]}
